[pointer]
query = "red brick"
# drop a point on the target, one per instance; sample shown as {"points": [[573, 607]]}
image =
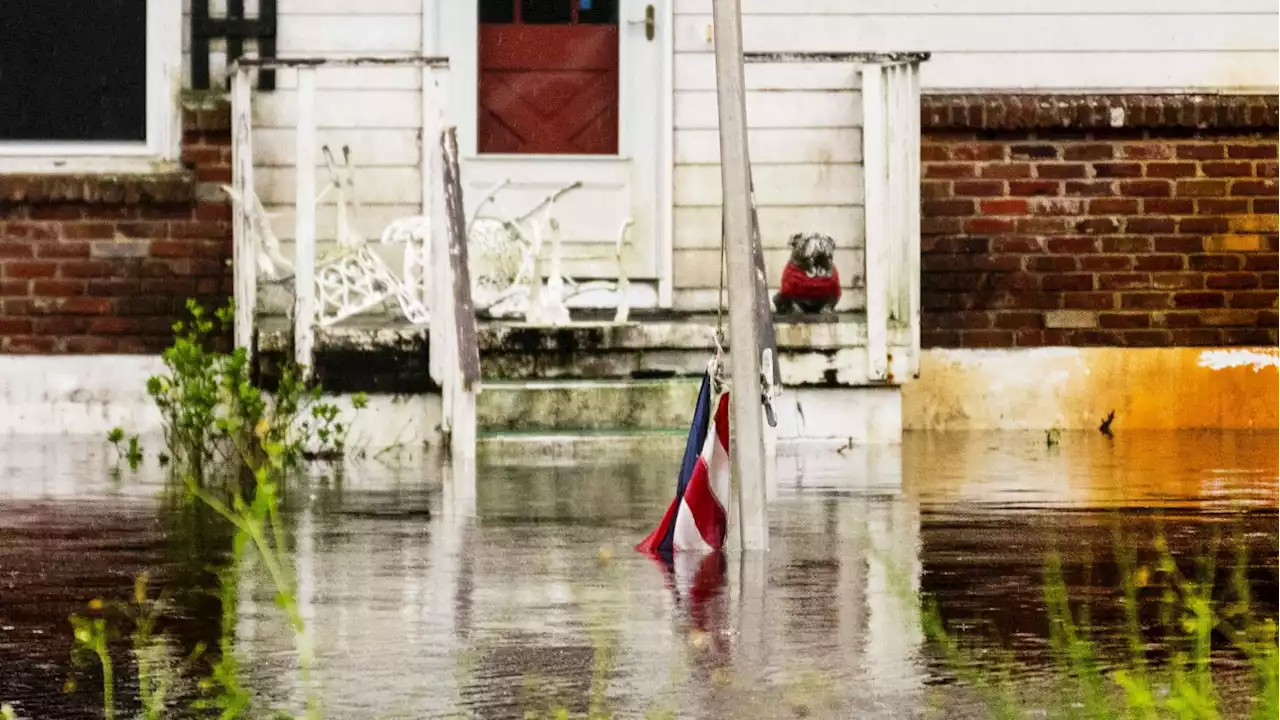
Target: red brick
{"points": [[1053, 263], [1226, 169], [1003, 207], [949, 170], [1125, 244], [89, 268], [1091, 188], [1029, 151], [1266, 206], [944, 208], [60, 211], [62, 325], [1097, 225], [933, 189], [1088, 152], [219, 212], [961, 282], [26, 269], [1199, 300], [1019, 320], [1006, 170], [1213, 151], [29, 344], [1202, 188], [967, 319], [1041, 225], [64, 249], [15, 326], [1029, 338], [982, 225], [1145, 338], [1146, 188], [15, 251], [114, 287], [85, 306], [1105, 263], [1231, 281], [979, 188], [114, 326], [1089, 301], [1261, 151], [201, 154], [1266, 169], [1215, 263], [1124, 281], [1138, 225], [941, 226], [1203, 225], [1176, 319], [198, 229], [1177, 281], [1179, 244], [1034, 188], [1253, 187], [1057, 206], [1117, 170], [1016, 244], [12, 288], [1222, 206], [1144, 301], [986, 338], [1113, 206], [939, 338], [30, 231], [1171, 171], [984, 151], [1061, 171], [88, 230], [1014, 281], [1250, 336], [1159, 262], [1197, 337], [1168, 206], [57, 288], [1259, 299], [1146, 151], [995, 263], [1126, 321], [1072, 244], [1067, 282], [930, 152]]}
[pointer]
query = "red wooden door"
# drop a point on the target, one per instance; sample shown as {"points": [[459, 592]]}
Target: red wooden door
{"points": [[548, 77]]}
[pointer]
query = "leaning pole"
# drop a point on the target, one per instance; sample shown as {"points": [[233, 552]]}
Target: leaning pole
{"points": [[735, 176]]}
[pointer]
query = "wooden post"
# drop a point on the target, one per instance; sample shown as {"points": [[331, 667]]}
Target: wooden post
{"points": [[304, 307], [747, 424], [913, 205], [243, 252], [464, 381], [876, 246]]}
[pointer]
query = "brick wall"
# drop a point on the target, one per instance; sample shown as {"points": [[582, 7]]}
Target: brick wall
{"points": [[104, 263], [1131, 221]]}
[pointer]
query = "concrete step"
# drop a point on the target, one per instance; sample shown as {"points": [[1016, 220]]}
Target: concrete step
{"points": [[586, 406]]}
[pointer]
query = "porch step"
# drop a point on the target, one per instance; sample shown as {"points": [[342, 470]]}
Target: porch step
{"points": [[581, 407]]}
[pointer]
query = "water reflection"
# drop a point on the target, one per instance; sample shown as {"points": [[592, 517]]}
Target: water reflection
{"points": [[495, 586]]}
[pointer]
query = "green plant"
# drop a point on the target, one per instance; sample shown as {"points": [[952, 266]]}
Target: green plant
{"points": [[91, 635], [330, 433], [132, 454]]}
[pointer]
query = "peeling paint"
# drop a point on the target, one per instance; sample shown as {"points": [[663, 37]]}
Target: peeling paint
{"points": [[1221, 359]]}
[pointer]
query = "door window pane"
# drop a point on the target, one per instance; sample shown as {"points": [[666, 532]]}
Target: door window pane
{"points": [[546, 12], [598, 12], [498, 11]]}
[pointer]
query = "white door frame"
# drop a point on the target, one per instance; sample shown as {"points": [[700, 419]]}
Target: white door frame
{"points": [[454, 31]]}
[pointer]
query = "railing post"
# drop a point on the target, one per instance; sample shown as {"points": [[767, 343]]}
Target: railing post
{"points": [[244, 254], [913, 204], [434, 92], [304, 317], [876, 247]]}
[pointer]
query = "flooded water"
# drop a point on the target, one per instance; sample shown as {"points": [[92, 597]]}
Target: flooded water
{"points": [[425, 599]]}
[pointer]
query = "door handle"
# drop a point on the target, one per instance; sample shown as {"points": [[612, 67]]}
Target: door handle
{"points": [[648, 23]]}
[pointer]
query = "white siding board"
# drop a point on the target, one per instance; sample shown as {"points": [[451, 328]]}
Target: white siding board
{"points": [[1101, 72], [983, 7], [773, 109], [959, 33], [776, 185], [372, 77], [350, 7], [323, 34], [697, 71], [345, 109], [774, 146], [375, 185], [273, 147], [699, 227], [372, 220]]}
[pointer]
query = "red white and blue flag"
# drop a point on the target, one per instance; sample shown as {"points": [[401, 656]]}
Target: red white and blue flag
{"points": [[696, 519]]}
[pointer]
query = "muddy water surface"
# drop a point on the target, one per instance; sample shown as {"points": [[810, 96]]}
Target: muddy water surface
{"points": [[426, 600]]}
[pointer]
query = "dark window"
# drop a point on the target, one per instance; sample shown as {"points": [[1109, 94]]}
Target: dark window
{"points": [[598, 12], [498, 11], [546, 12], [73, 70]]}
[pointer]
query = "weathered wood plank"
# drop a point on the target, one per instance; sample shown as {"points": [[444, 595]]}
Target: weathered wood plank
{"points": [[776, 185], [463, 308], [774, 109], [775, 146]]}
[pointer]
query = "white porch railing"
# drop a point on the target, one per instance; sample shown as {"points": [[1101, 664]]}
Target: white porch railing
{"points": [[354, 279], [890, 86]]}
